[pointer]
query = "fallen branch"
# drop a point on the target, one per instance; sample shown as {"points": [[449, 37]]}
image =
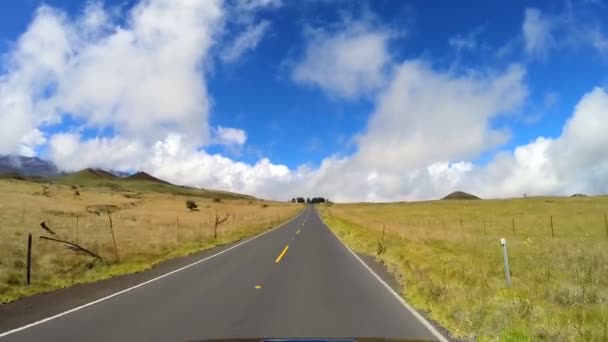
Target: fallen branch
{"points": [[73, 247], [46, 228]]}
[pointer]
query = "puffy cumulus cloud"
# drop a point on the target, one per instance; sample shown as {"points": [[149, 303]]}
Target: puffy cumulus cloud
{"points": [[174, 159], [348, 63], [30, 141], [579, 154], [426, 116], [141, 78], [573, 162], [36, 61], [71, 152], [230, 136], [427, 124], [536, 29], [247, 40]]}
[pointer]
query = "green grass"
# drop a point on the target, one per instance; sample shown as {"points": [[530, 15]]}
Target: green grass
{"points": [[455, 275]]}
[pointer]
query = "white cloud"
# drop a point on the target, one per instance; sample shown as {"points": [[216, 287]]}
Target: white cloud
{"points": [[37, 60], [348, 63], [426, 116], [536, 29], [30, 141], [142, 78], [230, 136], [599, 41], [249, 5], [573, 29], [465, 42], [246, 41]]}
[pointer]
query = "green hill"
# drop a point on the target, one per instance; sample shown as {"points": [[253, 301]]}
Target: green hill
{"points": [[140, 182], [460, 195]]}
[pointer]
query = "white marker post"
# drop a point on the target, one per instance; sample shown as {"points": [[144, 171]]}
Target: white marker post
{"points": [[503, 243]]}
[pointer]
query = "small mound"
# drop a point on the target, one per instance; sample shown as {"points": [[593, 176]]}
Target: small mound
{"points": [[579, 195], [143, 176], [460, 195]]}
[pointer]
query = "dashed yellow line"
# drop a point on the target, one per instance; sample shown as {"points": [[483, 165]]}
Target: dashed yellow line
{"points": [[258, 287], [298, 232], [281, 255]]}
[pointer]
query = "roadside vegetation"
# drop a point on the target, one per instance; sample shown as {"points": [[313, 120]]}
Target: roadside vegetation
{"points": [[128, 225], [447, 257]]}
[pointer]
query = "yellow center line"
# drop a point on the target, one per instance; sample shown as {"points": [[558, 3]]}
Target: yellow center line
{"points": [[258, 287], [298, 232], [281, 255]]}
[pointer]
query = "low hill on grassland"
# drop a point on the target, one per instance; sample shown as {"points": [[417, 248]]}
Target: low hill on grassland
{"points": [[460, 195], [139, 182], [142, 176]]}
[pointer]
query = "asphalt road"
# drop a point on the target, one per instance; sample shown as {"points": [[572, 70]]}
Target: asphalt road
{"points": [[315, 287]]}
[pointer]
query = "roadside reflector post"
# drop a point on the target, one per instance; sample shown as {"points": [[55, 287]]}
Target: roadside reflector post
{"points": [[503, 244]]}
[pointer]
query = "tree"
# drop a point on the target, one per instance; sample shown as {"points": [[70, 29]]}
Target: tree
{"points": [[307, 200], [293, 200], [300, 200]]}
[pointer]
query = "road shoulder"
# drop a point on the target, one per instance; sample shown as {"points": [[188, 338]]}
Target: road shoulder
{"points": [[382, 271]]}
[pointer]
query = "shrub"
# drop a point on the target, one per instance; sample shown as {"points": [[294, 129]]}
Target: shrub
{"points": [[217, 200], [264, 205], [190, 204]]}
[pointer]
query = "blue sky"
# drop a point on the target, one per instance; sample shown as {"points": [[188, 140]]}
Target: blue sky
{"points": [[269, 96]]}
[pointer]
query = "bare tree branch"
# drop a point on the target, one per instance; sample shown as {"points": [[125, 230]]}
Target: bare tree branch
{"points": [[46, 228], [74, 247], [222, 220]]}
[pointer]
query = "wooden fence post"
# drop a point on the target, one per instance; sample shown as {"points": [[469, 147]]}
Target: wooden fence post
{"points": [[113, 237], [552, 233], [29, 257], [461, 229], [76, 229], [606, 224], [513, 221], [485, 231], [178, 235]]}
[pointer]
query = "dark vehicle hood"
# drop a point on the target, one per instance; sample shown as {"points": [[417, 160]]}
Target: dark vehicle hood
{"points": [[310, 340]]}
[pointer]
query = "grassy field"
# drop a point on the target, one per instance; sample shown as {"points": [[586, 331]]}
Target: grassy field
{"points": [[447, 257], [149, 227]]}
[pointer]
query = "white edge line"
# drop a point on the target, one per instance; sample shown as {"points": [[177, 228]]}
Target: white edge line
{"points": [[6, 333], [413, 311]]}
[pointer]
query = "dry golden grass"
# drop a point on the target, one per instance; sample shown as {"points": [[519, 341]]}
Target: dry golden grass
{"points": [[149, 227], [455, 273]]}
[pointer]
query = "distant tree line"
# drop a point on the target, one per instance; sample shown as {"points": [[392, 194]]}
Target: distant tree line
{"points": [[313, 200]]}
